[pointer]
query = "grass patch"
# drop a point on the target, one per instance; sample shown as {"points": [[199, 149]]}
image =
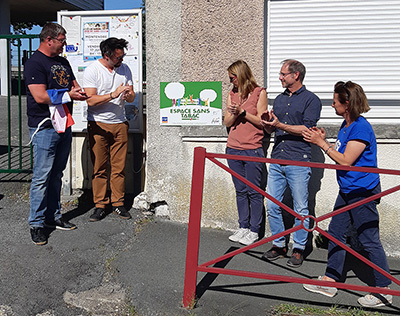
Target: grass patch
{"points": [[292, 310]]}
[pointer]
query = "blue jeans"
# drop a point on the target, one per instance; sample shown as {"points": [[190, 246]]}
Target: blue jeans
{"points": [[50, 154], [279, 177], [365, 219], [249, 202]]}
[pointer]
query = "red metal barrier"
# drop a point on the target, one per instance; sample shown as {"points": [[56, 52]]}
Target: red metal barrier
{"points": [[193, 241]]}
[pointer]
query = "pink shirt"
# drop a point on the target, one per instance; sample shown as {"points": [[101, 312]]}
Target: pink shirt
{"points": [[243, 134]]}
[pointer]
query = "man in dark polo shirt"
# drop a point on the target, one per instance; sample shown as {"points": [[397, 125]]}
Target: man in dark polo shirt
{"points": [[294, 110], [46, 73]]}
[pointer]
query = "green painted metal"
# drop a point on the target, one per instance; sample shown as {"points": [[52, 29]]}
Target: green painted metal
{"points": [[10, 163]]}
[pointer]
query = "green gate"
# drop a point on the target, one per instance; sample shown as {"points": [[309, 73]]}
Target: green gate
{"points": [[15, 152]]}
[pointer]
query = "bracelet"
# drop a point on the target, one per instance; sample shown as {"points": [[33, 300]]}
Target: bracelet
{"points": [[326, 151], [111, 96]]}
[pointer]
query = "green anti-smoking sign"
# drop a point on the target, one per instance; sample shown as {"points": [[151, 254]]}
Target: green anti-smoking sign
{"points": [[190, 103]]}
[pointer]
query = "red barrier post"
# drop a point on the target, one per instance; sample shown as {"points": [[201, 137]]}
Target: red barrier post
{"points": [[193, 240]]}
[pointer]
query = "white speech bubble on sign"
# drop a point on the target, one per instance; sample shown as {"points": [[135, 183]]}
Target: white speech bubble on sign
{"points": [[174, 90], [208, 96]]}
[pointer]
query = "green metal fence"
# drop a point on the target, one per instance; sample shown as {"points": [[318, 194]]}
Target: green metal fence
{"points": [[15, 153]]}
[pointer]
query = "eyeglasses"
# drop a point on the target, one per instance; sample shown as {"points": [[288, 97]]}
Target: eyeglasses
{"points": [[232, 78], [62, 41], [119, 58], [284, 74]]}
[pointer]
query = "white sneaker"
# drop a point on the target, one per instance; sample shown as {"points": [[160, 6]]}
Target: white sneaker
{"points": [[324, 290], [239, 234], [249, 238], [375, 300]]}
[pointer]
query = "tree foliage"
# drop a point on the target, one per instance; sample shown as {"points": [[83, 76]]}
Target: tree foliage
{"points": [[22, 27]]}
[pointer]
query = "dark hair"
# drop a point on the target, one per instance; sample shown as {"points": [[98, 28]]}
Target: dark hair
{"points": [[295, 66], [354, 94], [108, 46], [52, 30], [246, 81]]}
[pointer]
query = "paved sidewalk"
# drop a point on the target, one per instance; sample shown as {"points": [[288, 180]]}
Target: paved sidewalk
{"points": [[115, 266]]}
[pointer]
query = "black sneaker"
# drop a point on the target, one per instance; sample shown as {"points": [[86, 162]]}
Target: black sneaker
{"points": [[296, 259], [38, 236], [98, 214], [121, 212], [275, 253], [60, 224]]}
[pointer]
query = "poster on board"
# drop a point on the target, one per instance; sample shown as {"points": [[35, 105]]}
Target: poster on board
{"points": [[191, 103], [85, 31], [93, 34]]}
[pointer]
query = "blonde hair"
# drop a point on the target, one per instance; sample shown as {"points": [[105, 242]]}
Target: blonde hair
{"points": [[354, 94], [244, 75]]}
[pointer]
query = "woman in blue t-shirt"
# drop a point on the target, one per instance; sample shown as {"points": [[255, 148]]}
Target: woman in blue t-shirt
{"points": [[355, 146]]}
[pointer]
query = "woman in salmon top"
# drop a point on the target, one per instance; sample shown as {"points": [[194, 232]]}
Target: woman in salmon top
{"points": [[244, 106]]}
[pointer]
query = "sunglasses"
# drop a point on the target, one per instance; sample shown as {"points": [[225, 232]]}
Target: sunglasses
{"points": [[120, 58], [231, 78], [345, 89]]}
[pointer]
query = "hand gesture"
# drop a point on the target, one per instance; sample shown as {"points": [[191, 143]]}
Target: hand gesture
{"points": [[234, 108], [120, 90], [269, 119], [314, 135], [76, 93], [128, 94]]}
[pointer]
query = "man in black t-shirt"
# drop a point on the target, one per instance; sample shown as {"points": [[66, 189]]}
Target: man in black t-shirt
{"points": [[46, 70]]}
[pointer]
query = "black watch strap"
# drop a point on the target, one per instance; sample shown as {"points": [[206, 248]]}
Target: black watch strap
{"points": [[243, 114]]}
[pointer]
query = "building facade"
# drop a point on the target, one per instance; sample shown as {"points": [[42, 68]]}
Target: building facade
{"points": [[336, 40]]}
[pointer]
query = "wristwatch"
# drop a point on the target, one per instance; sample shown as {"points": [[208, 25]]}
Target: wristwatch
{"points": [[243, 114]]}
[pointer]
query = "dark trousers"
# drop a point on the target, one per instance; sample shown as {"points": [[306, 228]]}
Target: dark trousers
{"points": [[249, 202], [365, 219]]}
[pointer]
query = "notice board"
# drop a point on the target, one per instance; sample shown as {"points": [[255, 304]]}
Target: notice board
{"points": [[85, 31]]}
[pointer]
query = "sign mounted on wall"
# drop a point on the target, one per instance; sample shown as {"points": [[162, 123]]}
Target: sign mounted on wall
{"points": [[191, 103]]}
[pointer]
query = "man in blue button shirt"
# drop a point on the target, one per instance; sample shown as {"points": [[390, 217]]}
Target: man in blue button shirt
{"points": [[294, 110]]}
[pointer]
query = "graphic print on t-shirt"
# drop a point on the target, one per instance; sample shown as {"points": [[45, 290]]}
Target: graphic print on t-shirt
{"points": [[61, 75]]}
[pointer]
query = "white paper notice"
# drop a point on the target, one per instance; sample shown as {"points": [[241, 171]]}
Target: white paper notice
{"points": [[74, 34], [126, 27]]}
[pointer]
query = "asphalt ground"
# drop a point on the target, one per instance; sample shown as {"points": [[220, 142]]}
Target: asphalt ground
{"points": [[119, 267]]}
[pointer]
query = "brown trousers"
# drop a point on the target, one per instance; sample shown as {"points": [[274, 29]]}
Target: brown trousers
{"points": [[108, 146]]}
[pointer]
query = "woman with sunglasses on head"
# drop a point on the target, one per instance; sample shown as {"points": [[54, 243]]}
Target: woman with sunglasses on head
{"points": [[355, 146], [244, 106]]}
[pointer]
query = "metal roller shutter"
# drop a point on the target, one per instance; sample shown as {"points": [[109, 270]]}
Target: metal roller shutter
{"points": [[339, 40]]}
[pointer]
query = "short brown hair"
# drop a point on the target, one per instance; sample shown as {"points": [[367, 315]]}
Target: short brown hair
{"points": [[296, 66], [52, 30]]}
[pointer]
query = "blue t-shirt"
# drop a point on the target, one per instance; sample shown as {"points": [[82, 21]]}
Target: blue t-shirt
{"points": [[353, 181], [301, 108], [55, 73]]}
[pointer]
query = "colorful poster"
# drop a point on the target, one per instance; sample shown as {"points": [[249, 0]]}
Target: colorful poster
{"points": [[190, 103], [93, 34]]}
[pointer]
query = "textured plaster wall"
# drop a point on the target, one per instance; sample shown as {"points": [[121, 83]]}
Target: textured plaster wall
{"points": [[215, 33]]}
